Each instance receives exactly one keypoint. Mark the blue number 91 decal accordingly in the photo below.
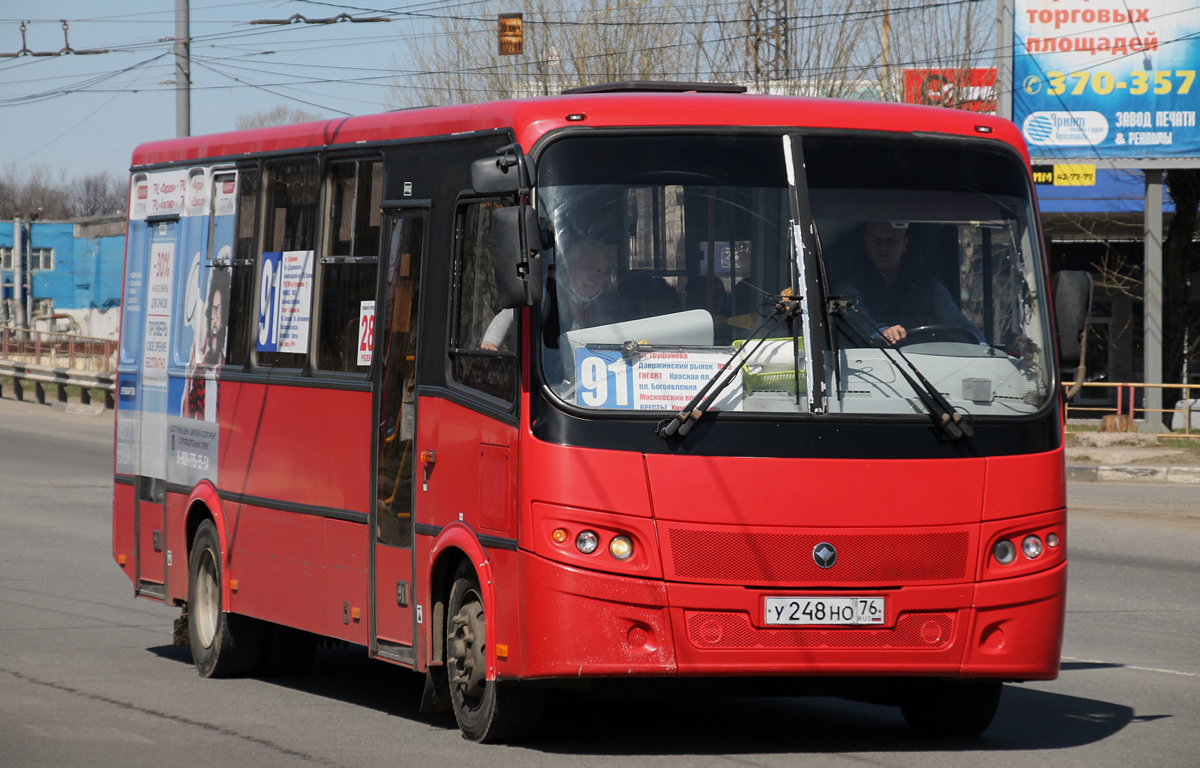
(603, 379)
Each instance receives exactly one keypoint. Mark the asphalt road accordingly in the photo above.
(88, 675)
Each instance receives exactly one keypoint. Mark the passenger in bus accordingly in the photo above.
(710, 294)
(584, 300)
(643, 294)
(896, 296)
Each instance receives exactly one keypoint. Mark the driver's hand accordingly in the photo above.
(894, 334)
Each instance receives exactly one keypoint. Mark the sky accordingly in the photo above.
(84, 114)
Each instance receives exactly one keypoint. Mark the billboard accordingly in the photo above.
(972, 89)
(1107, 79)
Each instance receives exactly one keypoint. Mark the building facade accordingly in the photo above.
(70, 275)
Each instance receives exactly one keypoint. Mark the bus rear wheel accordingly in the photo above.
(223, 644)
(951, 707)
(486, 710)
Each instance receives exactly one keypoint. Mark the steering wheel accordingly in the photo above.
(938, 332)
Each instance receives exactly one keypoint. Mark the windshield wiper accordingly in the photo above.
(944, 416)
(785, 308)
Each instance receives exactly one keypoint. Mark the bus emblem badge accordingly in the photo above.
(825, 555)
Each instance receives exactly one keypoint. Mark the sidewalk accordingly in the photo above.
(1130, 457)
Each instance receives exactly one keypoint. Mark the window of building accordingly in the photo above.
(39, 258)
(283, 307)
(483, 336)
(350, 264)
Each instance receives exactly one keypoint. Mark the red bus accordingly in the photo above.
(606, 386)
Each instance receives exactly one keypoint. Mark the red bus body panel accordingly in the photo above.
(534, 118)
(732, 531)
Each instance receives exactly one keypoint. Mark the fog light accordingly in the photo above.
(587, 541)
(1052, 540)
(560, 535)
(1031, 546)
(1004, 552)
(621, 548)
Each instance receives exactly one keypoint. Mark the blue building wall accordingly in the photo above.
(85, 279)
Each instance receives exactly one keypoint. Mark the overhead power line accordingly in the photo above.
(297, 18)
(64, 51)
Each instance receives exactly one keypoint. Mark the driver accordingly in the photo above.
(896, 297)
(585, 301)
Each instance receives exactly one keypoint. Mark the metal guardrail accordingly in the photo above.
(1126, 404)
(64, 359)
(58, 359)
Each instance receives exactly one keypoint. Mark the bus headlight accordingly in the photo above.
(1004, 552)
(587, 542)
(1031, 546)
(621, 547)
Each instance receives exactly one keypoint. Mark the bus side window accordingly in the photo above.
(350, 262)
(475, 312)
(283, 299)
(241, 292)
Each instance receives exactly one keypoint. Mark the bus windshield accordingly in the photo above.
(671, 252)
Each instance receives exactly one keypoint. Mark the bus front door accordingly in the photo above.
(392, 576)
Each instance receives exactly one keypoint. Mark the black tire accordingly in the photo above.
(951, 707)
(223, 644)
(486, 711)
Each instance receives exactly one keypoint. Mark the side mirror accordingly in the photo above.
(517, 256)
(1072, 292)
(506, 173)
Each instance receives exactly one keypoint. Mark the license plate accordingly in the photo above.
(824, 610)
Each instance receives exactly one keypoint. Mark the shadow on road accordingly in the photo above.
(582, 724)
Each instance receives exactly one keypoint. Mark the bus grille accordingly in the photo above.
(713, 630)
(743, 557)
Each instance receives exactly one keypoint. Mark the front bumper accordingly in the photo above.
(579, 623)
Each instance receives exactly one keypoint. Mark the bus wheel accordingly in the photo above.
(487, 711)
(951, 707)
(223, 644)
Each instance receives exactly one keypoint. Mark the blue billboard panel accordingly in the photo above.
(1107, 79)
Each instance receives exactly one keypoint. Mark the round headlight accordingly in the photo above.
(1031, 546)
(1004, 552)
(587, 542)
(1052, 540)
(621, 548)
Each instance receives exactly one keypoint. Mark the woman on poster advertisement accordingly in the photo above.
(209, 335)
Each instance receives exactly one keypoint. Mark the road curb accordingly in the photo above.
(1177, 475)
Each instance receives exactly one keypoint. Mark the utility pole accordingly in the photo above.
(1152, 288)
(770, 54)
(18, 256)
(887, 54)
(29, 271)
(183, 71)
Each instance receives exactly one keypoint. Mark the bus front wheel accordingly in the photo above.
(486, 710)
(951, 707)
(223, 644)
